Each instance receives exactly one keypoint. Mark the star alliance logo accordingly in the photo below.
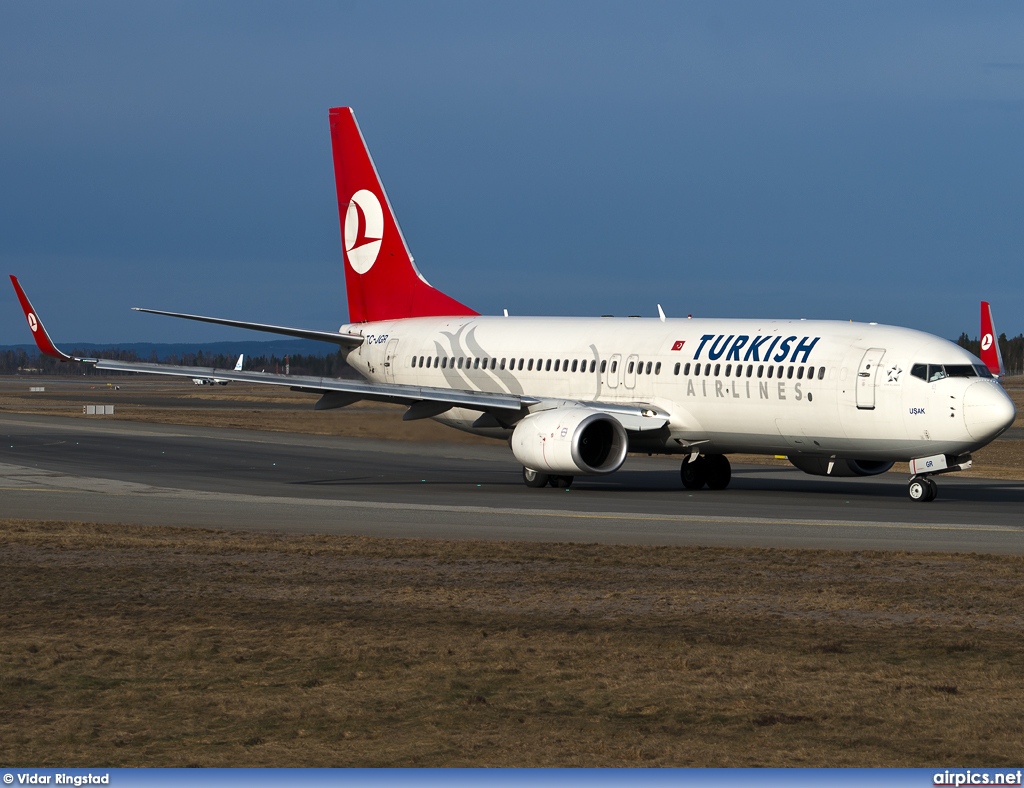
(894, 373)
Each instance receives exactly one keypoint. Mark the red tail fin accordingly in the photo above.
(381, 279)
(990, 352)
(39, 333)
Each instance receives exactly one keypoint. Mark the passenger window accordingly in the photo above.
(615, 366)
(529, 367)
(728, 370)
(476, 363)
(520, 367)
(502, 365)
(565, 365)
(686, 368)
(760, 370)
(676, 371)
(603, 365)
(750, 370)
(547, 366)
(799, 373)
(574, 365)
(821, 373)
(593, 365)
(630, 370)
(771, 371)
(810, 373)
(648, 368)
(718, 368)
(657, 368)
(556, 364)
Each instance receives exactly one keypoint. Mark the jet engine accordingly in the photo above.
(570, 441)
(818, 466)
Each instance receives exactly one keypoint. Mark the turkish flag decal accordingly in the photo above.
(678, 344)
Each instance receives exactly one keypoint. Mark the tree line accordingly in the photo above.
(21, 362)
(1012, 350)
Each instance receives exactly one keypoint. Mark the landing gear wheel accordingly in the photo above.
(563, 482)
(922, 490)
(532, 478)
(692, 474)
(717, 471)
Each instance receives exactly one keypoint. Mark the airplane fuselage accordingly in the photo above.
(818, 388)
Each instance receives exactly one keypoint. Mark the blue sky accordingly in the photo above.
(823, 160)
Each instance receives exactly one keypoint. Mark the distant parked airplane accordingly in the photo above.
(206, 381)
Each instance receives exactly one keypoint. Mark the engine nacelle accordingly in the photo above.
(570, 441)
(818, 466)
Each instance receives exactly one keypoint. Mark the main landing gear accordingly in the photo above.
(532, 478)
(712, 470)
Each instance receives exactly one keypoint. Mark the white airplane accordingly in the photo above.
(207, 381)
(573, 395)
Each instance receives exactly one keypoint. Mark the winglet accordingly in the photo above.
(990, 352)
(43, 341)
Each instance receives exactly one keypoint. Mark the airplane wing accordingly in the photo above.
(423, 401)
(348, 340)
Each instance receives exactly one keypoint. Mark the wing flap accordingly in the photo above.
(378, 392)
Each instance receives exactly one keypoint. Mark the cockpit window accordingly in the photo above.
(933, 372)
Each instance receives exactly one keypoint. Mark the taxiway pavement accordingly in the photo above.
(58, 468)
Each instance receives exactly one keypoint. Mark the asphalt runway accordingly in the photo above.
(59, 468)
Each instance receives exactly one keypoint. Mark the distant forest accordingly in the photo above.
(15, 362)
(1012, 350)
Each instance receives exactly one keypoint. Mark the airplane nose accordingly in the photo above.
(988, 410)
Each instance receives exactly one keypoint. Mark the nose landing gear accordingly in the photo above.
(922, 487)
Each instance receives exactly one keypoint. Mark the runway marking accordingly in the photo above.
(56, 482)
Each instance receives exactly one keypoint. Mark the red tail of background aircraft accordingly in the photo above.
(990, 352)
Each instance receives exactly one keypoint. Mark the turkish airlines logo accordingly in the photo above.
(364, 230)
(32, 322)
(986, 342)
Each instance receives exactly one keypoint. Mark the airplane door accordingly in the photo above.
(613, 371)
(390, 360)
(629, 374)
(866, 376)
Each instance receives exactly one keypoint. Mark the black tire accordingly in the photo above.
(532, 478)
(692, 474)
(918, 490)
(933, 489)
(561, 482)
(717, 471)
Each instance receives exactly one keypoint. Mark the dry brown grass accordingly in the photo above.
(125, 646)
